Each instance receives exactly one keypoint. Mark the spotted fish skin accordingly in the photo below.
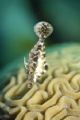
(37, 64)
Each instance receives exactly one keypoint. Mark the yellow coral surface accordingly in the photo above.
(57, 97)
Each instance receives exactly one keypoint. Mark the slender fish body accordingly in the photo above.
(37, 64)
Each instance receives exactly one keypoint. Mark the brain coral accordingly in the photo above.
(57, 97)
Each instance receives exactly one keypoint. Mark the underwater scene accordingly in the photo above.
(40, 60)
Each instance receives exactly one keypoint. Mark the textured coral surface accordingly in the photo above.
(56, 97)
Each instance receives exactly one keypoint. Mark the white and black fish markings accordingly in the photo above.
(37, 64)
